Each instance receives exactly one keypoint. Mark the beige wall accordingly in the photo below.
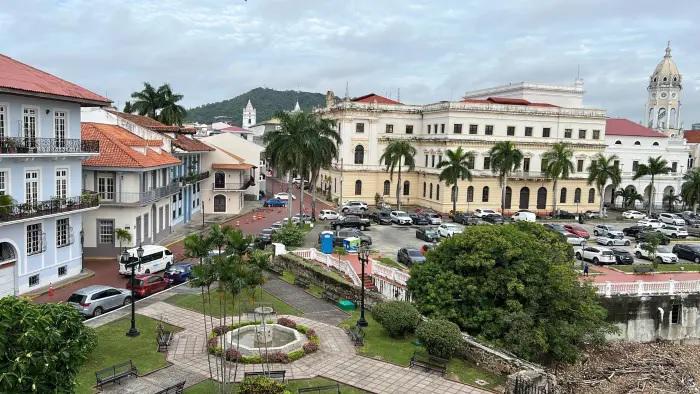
(234, 200)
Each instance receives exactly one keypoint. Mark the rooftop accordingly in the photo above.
(117, 148)
(374, 98)
(190, 144)
(692, 136)
(147, 123)
(507, 101)
(626, 127)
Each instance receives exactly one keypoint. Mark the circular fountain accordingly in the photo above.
(250, 340)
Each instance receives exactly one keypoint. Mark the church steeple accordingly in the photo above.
(663, 103)
(297, 108)
(248, 115)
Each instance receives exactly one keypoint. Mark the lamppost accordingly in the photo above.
(363, 256)
(133, 332)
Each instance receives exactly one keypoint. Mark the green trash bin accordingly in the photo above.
(346, 305)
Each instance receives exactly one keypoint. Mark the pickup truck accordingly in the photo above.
(340, 235)
(350, 222)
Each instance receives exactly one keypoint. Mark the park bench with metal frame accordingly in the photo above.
(357, 335)
(115, 373)
(429, 363)
(163, 337)
(177, 388)
(331, 388)
(276, 375)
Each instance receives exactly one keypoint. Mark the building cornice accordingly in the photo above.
(461, 140)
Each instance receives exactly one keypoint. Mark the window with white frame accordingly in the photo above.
(105, 187)
(3, 120)
(34, 237)
(62, 232)
(106, 231)
(4, 180)
(59, 128)
(61, 183)
(29, 125)
(31, 187)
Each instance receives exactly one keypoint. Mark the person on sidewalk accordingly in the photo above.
(585, 268)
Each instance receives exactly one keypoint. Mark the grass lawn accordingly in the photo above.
(208, 386)
(379, 345)
(314, 290)
(288, 276)
(114, 347)
(389, 262)
(680, 267)
(194, 302)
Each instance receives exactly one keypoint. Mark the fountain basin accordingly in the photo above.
(251, 340)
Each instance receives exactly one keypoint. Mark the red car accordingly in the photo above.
(145, 285)
(577, 230)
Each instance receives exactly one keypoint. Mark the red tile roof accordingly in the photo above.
(146, 122)
(17, 77)
(116, 148)
(372, 98)
(191, 144)
(625, 127)
(231, 166)
(692, 136)
(235, 129)
(508, 101)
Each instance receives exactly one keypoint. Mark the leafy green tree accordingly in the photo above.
(690, 190)
(43, 346)
(558, 165)
(147, 101)
(505, 158)
(441, 337)
(396, 154)
(397, 317)
(128, 108)
(653, 167)
(290, 235)
(123, 236)
(513, 286)
(601, 171)
(456, 168)
(651, 245)
(171, 113)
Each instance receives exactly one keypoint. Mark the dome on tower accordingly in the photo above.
(666, 72)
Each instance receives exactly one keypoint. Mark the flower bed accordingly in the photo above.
(232, 354)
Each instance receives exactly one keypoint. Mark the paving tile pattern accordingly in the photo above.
(313, 308)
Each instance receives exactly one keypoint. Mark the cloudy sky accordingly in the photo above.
(211, 50)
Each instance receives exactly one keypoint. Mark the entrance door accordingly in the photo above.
(219, 180)
(219, 203)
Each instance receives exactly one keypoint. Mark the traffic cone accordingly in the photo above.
(238, 223)
(50, 289)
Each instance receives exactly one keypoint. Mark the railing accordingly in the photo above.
(331, 262)
(19, 211)
(390, 273)
(22, 145)
(140, 198)
(193, 178)
(640, 288)
(234, 185)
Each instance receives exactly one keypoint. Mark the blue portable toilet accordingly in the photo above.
(327, 242)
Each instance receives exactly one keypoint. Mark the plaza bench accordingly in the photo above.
(163, 337)
(331, 388)
(115, 373)
(301, 282)
(177, 388)
(276, 375)
(429, 363)
(357, 335)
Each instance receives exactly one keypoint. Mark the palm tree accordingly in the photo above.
(394, 154)
(629, 196)
(505, 158)
(456, 167)
(654, 166)
(323, 148)
(601, 171)
(671, 199)
(123, 235)
(128, 108)
(171, 113)
(148, 101)
(197, 246)
(690, 190)
(558, 165)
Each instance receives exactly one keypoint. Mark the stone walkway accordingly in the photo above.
(313, 308)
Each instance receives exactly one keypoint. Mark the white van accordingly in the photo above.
(155, 258)
(524, 216)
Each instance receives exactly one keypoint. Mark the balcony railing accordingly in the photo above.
(126, 198)
(193, 178)
(234, 185)
(19, 211)
(22, 145)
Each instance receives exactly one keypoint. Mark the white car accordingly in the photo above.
(284, 196)
(652, 223)
(674, 231)
(297, 181)
(400, 217)
(601, 229)
(449, 229)
(327, 214)
(524, 216)
(609, 239)
(354, 206)
(276, 226)
(633, 215)
(573, 239)
(670, 218)
(663, 253)
(484, 212)
(596, 255)
(434, 218)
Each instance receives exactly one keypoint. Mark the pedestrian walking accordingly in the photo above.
(585, 268)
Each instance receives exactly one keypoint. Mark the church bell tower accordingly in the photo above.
(663, 104)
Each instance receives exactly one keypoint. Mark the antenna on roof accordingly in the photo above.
(347, 91)
(578, 71)
(398, 95)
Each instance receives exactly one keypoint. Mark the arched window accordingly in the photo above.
(431, 190)
(591, 195)
(387, 188)
(406, 188)
(485, 194)
(509, 198)
(618, 142)
(672, 121)
(453, 196)
(637, 143)
(358, 187)
(219, 203)
(437, 192)
(577, 195)
(470, 194)
(424, 189)
(542, 198)
(359, 154)
(562, 196)
(524, 198)
(655, 143)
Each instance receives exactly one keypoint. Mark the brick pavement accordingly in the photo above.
(313, 308)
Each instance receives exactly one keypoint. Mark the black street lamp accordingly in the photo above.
(363, 256)
(126, 258)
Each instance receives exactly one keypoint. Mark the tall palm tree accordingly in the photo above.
(601, 171)
(505, 158)
(653, 167)
(629, 197)
(323, 148)
(456, 168)
(690, 190)
(671, 200)
(147, 101)
(128, 108)
(171, 113)
(558, 165)
(397, 154)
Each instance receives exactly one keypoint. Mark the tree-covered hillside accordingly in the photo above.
(266, 101)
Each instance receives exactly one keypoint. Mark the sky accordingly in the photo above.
(210, 50)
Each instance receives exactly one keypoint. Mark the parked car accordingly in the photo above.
(693, 229)
(145, 285)
(555, 227)
(381, 217)
(524, 216)
(687, 251)
(276, 226)
(350, 221)
(561, 214)
(596, 255)
(284, 196)
(483, 212)
(653, 223)
(622, 256)
(594, 214)
(400, 217)
(265, 236)
(671, 218)
(275, 202)
(428, 234)
(600, 229)
(690, 217)
(433, 217)
(297, 181)
(674, 231)
(354, 205)
(340, 236)
(302, 218)
(178, 273)
(573, 239)
(609, 239)
(448, 229)
(632, 214)
(97, 299)
(664, 254)
(327, 214)
(644, 235)
(410, 256)
(418, 219)
(633, 230)
(493, 219)
(155, 258)
(578, 230)
(466, 219)
(426, 248)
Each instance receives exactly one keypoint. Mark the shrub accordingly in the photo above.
(220, 330)
(290, 235)
(213, 345)
(253, 359)
(441, 338)
(397, 317)
(278, 357)
(283, 321)
(295, 355)
(311, 333)
(302, 328)
(260, 385)
(232, 354)
(310, 347)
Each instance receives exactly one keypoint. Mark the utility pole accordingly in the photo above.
(340, 201)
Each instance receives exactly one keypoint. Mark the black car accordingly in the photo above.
(350, 221)
(380, 217)
(642, 236)
(410, 256)
(690, 218)
(622, 256)
(633, 230)
(688, 252)
(561, 214)
(419, 219)
(466, 219)
(493, 219)
(428, 234)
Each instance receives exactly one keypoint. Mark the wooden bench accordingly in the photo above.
(301, 282)
(331, 388)
(177, 388)
(429, 363)
(115, 373)
(357, 335)
(276, 375)
(163, 338)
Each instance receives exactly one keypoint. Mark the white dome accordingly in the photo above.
(666, 72)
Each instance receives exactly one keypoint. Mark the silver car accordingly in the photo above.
(97, 299)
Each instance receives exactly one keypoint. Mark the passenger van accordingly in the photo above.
(155, 258)
(524, 216)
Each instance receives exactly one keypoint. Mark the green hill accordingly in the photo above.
(267, 102)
